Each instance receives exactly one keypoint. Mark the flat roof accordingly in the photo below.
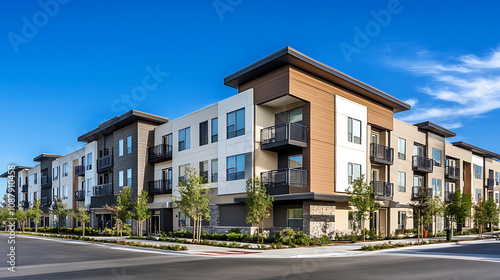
(476, 150)
(436, 129)
(6, 173)
(289, 56)
(118, 122)
(46, 156)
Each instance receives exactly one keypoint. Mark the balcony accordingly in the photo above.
(105, 163)
(80, 195)
(25, 204)
(24, 188)
(381, 154)
(418, 192)
(102, 190)
(80, 170)
(284, 181)
(490, 184)
(452, 172)
(101, 201)
(283, 136)
(44, 201)
(422, 164)
(46, 182)
(448, 196)
(160, 187)
(160, 153)
(383, 190)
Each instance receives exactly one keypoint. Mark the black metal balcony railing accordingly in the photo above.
(101, 201)
(46, 181)
(452, 172)
(24, 188)
(160, 153)
(80, 170)
(490, 184)
(79, 195)
(422, 164)
(383, 189)
(25, 204)
(418, 192)
(381, 154)
(102, 190)
(448, 195)
(160, 187)
(105, 163)
(44, 201)
(283, 135)
(280, 181)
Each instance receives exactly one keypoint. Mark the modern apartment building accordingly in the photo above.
(305, 129)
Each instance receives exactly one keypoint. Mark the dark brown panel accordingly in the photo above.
(270, 86)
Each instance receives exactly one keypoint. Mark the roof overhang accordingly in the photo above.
(436, 129)
(305, 196)
(476, 150)
(121, 121)
(289, 56)
(46, 156)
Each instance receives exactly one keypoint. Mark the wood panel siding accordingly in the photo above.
(269, 87)
(468, 179)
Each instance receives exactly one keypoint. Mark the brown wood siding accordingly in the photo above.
(145, 139)
(468, 179)
(270, 86)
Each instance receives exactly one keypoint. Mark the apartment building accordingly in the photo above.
(305, 129)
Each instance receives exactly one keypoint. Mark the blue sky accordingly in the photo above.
(65, 68)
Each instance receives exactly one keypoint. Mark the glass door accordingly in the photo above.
(375, 138)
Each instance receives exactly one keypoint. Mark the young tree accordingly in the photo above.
(83, 217)
(60, 210)
(122, 211)
(114, 214)
(193, 200)
(35, 213)
(258, 204)
(436, 210)
(141, 211)
(362, 197)
(480, 216)
(21, 217)
(421, 212)
(492, 212)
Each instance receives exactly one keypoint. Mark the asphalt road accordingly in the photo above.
(37, 258)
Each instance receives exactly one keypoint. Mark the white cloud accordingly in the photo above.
(467, 87)
(412, 101)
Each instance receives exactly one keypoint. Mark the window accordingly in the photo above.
(294, 217)
(64, 192)
(478, 171)
(354, 172)
(496, 197)
(65, 170)
(184, 139)
(184, 220)
(401, 219)
(120, 147)
(354, 130)
(479, 194)
(436, 156)
(204, 133)
(89, 187)
(89, 161)
(496, 178)
(55, 194)
(129, 145)
(204, 171)
(353, 223)
(401, 181)
(236, 123)
(215, 170)
(437, 186)
(295, 161)
(35, 179)
(55, 173)
(129, 177)
(120, 178)
(438, 224)
(182, 173)
(215, 130)
(295, 115)
(235, 167)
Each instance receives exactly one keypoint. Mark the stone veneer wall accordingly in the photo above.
(318, 218)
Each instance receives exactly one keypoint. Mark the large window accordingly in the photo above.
(204, 133)
(182, 173)
(295, 161)
(120, 178)
(353, 172)
(129, 145)
(437, 186)
(89, 187)
(120, 147)
(204, 171)
(496, 178)
(294, 217)
(235, 167)
(236, 123)
(478, 171)
(89, 161)
(35, 178)
(55, 173)
(401, 219)
(402, 181)
(436, 156)
(496, 197)
(129, 177)
(184, 139)
(479, 194)
(354, 130)
(65, 170)
(215, 170)
(64, 192)
(215, 130)
(290, 116)
(55, 194)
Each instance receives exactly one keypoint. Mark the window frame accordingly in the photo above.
(233, 130)
(214, 136)
(402, 217)
(129, 177)
(401, 188)
(203, 133)
(236, 175)
(351, 137)
(214, 176)
(89, 162)
(129, 144)
(121, 180)
(350, 172)
(294, 211)
(435, 153)
(120, 147)
(185, 143)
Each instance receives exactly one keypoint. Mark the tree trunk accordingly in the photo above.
(36, 227)
(83, 229)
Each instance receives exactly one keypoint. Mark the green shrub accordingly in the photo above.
(235, 230)
(232, 236)
(285, 236)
